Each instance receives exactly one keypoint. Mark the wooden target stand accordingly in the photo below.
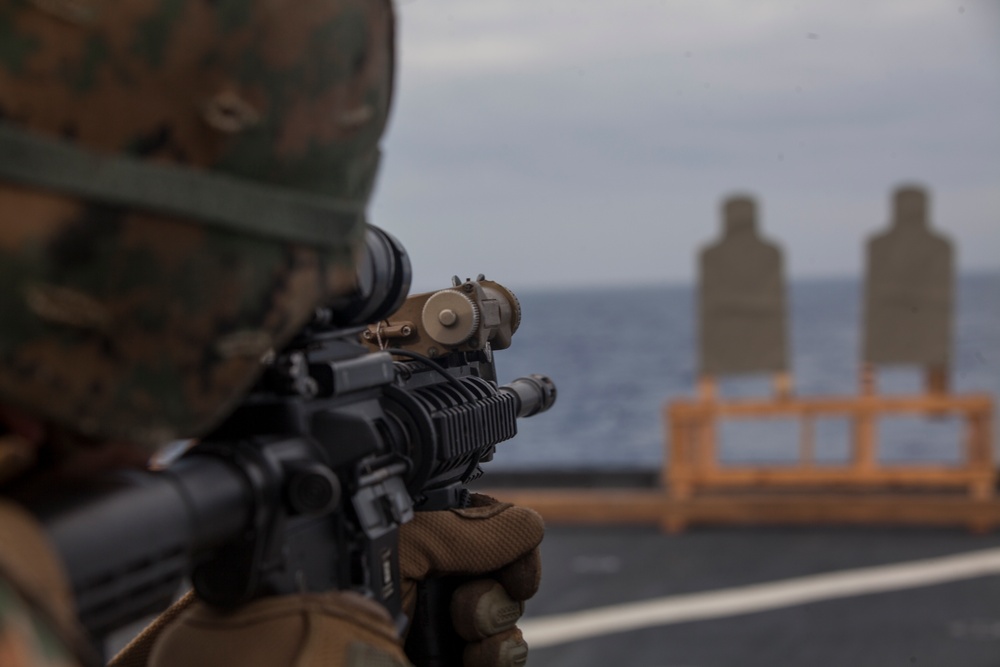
(702, 489)
(699, 489)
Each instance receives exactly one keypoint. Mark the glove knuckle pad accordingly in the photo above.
(482, 608)
(507, 650)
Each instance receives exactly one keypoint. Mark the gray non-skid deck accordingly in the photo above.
(954, 624)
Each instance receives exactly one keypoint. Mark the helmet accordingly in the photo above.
(181, 184)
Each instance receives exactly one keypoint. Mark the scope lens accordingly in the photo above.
(383, 281)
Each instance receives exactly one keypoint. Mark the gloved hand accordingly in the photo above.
(335, 629)
(495, 546)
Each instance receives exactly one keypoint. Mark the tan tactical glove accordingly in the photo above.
(337, 629)
(495, 546)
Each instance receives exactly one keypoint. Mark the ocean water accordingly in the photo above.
(617, 355)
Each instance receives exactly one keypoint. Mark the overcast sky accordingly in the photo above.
(582, 142)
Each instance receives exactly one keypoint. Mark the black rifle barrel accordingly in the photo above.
(535, 393)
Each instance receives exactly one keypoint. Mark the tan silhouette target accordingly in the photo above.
(909, 288)
(742, 313)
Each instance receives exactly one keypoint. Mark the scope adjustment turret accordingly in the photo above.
(450, 317)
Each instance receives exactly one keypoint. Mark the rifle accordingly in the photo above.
(380, 407)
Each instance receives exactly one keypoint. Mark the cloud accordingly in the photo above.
(566, 142)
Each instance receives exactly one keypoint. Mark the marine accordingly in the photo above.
(182, 183)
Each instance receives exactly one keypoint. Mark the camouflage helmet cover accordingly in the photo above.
(181, 183)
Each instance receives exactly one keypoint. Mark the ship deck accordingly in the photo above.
(616, 590)
(766, 596)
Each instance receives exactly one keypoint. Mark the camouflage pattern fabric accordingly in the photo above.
(38, 626)
(129, 319)
(25, 640)
(130, 322)
(292, 93)
(144, 329)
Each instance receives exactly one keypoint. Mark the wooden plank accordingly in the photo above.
(936, 379)
(591, 506)
(834, 405)
(798, 475)
(706, 455)
(678, 454)
(979, 444)
(707, 388)
(701, 432)
(807, 441)
(783, 386)
(883, 509)
(864, 442)
(695, 469)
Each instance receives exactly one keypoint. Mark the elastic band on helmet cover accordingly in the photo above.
(211, 197)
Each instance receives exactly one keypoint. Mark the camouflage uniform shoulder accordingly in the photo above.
(25, 638)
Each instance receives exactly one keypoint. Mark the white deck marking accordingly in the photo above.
(562, 628)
